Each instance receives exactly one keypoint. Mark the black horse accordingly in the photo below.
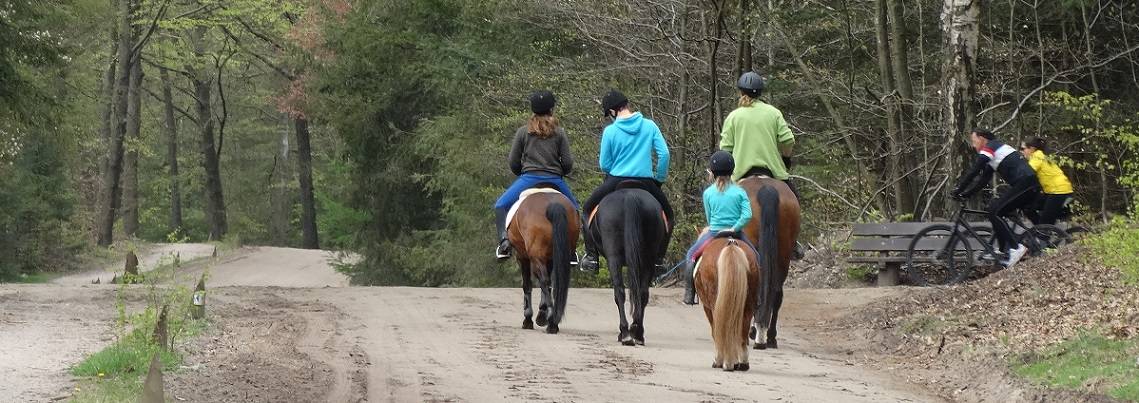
(630, 228)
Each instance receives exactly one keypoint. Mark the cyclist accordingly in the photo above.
(1055, 185)
(1010, 165)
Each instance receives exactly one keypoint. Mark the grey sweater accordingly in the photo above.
(533, 154)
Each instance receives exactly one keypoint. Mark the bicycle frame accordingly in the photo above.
(960, 222)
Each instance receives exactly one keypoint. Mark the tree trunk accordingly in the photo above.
(743, 51)
(891, 148)
(107, 105)
(905, 186)
(282, 202)
(960, 25)
(304, 174)
(215, 202)
(130, 164)
(171, 127)
(109, 192)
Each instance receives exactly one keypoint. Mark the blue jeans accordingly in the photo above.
(708, 235)
(527, 181)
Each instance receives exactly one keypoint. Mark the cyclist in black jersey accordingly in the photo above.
(1010, 165)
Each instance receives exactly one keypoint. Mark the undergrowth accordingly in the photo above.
(1090, 360)
(1118, 247)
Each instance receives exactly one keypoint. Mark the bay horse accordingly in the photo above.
(630, 228)
(774, 230)
(544, 236)
(727, 284)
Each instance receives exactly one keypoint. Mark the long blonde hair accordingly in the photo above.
(746, 100)
(542, 126)
(722, 181)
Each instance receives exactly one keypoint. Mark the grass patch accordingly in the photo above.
(107, 390)
(33, 278)
(923, 325)
(1088, 360)
(127, 356)
(861, 273)
(1117, 247)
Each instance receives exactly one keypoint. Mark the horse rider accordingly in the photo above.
(1057, 189)
(727, 209)
(1010, 165)
(540, 154)
(627, 148)
(758, 137)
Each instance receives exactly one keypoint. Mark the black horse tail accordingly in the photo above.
(560, 262)
(768, 244)
(634, 239)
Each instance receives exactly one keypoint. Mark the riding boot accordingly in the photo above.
(503, 250)
(589, 262)
(797, 252)
(689, 283)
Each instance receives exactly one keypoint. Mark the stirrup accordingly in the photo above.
(503, 250)
(589, 265)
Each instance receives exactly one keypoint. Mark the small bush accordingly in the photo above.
(1117, 247)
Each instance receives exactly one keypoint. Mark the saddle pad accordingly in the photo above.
(696, 267)
(525, 193)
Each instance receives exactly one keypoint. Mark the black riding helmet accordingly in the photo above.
(751, 83)
(542, 102)
(722, 163)
(613, 101)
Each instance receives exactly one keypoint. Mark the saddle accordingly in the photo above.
(539, 188)
(629, 184)
(698, 257)
(757, 173)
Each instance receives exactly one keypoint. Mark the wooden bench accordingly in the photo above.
(886, 245)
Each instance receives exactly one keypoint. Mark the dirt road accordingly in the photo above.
(339, 344)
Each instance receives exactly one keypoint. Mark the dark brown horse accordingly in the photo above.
(774, 230)
(544, 235)
(727, 282)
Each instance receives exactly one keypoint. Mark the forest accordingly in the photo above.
(382, 127)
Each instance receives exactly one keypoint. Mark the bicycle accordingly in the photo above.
(945, 254)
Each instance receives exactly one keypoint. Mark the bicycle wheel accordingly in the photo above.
(1046, 236)
(937, 256)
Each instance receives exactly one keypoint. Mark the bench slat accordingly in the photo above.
(900, 228)
(903, 244)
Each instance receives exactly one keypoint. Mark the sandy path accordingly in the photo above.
(326, 342)
(468, 345)
(149, 257)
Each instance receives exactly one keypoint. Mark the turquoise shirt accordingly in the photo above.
(729, 209)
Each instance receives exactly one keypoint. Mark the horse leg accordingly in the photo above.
(640, 301)
(771, 343)
(615, 278)
(543, 287)
(743, 365)
(527, 310)
(717, 359)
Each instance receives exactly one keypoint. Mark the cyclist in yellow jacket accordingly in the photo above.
(1057, 188)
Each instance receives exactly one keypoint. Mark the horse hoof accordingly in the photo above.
(772, 345)
(743, 366)
(760, 346)
(628, 341)
(552, 329)
(540, 320)
(527, 324)
(717, 365)
(639, 341)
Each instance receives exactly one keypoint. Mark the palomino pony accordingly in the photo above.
(727, 284)
(544, 235)
(629, 228)
(773, 230)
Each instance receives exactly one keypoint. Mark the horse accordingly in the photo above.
(727, 285)
(774, 230)
(630, 228)
(544, 235)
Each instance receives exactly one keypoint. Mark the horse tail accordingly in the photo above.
(768, 244)
(560, 266)
(731, 296)
(634, 239)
